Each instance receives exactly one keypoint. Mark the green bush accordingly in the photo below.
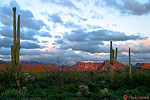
(12, 94)
(60, 97)
(70, 88)
(94, 87)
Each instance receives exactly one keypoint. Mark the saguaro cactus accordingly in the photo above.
(130, 65)
(113, 59)
(15, 48)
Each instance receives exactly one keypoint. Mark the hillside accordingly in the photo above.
(78, 66)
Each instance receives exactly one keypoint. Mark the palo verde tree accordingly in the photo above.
(15, 50)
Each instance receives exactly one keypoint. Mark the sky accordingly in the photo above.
(77, 30)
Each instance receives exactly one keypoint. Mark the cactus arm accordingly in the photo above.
(130, 66)
(20, 70)
(17, 55)
(110, 50)
(12, 59)
(113, 56)
(14, 31)
(111, 53)
(112, 75)
(18, 40)
(116, 54)
(18, 31)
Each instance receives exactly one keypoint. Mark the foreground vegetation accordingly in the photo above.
(70, 85)
(73, 85)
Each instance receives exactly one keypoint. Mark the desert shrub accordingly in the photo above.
(42, 85)
(94, 87)
(1, 90)
(83, 91)
(105, 93)
(12, 94)
(70, 88)
(95, 96)
(27, 78)
(60, 97)
(6, 77)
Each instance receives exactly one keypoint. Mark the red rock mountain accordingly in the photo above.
(145, 66)
(117, 66)
(78, 66)
(81, 66)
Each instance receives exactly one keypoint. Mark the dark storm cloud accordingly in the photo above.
(100, 35)
(5, 42)
(34, 52)
(60, 41)
(85, 47)
(140, 48)
(32, 24)
(76, 36)
(28, 35)
(27, 19)
(71, 24)
(107, 35)
(29, 45)
(70, 55)
(44, 41)
(140, 57)
(55, 18)
(133, 7)
(7, 31)
(136, 48)
(45, 34)
(30, 52)
(5, 51)
(135, 58)
(92, 42)
(64, 3)
(64, 56)
(57, 36)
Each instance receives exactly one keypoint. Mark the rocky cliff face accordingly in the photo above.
(145, 66)
(78, 66)
(117, 66)
(81, 66)
(141, 65)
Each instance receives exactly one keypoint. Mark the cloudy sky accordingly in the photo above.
(77, 30)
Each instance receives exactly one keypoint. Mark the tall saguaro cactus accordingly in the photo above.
(113, 59)
(130, 65)
(15, 49)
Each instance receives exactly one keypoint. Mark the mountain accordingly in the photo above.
(145, 66)
(106, 66)
(82, 66)
(78, 66)
(141, 66)
(32, 63)
(4, 62)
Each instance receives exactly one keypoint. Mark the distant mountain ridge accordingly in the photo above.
(117, 66)
(78, 66)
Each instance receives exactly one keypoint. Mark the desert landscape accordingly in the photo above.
(74, 65)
